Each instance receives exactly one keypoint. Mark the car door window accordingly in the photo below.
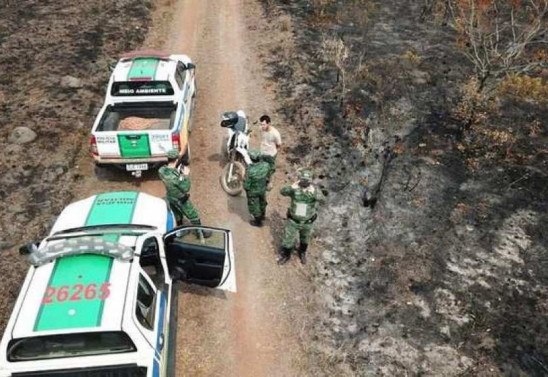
(145, 307)
(201, 255)
(216, 238)
(181, 78)
(150, 261)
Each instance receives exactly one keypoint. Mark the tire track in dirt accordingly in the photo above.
(247, 333)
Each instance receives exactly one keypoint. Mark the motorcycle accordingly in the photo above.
(235, 148)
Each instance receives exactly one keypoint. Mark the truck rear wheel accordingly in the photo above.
(102, 170)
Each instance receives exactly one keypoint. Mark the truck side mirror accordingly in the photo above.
(28, 248)
(112, 66)
(190, 66)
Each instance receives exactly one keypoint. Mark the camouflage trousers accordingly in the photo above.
(256, 204)
(294, 229)
(182, 210)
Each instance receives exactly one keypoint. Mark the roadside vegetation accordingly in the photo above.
(426, 125)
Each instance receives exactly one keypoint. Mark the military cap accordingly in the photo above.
(305, 174)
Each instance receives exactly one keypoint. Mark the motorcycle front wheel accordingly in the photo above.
(232, 178)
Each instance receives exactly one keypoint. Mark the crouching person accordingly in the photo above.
(177, 182)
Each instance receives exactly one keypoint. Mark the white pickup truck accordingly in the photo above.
(147, 111)
(100, 296)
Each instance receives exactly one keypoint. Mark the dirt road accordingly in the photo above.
(253, 332)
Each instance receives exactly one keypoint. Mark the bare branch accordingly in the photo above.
(497, 34)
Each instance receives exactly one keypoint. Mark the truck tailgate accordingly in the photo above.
(133, 144)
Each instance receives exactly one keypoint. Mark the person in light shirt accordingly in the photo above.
(270, 137)
(270, 142)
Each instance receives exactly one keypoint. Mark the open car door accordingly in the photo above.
(201, 255)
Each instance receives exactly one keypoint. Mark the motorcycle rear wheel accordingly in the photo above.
(233, 185)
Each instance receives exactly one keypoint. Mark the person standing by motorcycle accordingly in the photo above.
(271, 141)
(175, 176)
(255, 186)
(301, 215)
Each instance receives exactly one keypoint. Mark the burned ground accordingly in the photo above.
(444, 272)
(53, 66)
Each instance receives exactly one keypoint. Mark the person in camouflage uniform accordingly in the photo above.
(256, 180)
(272, 162)
(301, 215)
(178, 190)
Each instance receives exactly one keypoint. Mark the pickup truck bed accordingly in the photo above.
(138, 116)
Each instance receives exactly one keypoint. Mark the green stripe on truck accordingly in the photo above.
(143, 67)
(112, 208)
(78, 282)
(77, 302)
(134, 145)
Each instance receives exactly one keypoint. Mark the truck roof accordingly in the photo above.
(86, 291)
(145, 67)
(75, 293)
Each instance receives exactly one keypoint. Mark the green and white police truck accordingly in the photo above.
(100, 298)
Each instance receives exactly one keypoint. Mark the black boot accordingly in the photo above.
(257, 221)
(302, 252)
(285, 254)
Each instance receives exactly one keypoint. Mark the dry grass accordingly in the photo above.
(285, 23)
(412, 57)
(474, 107)
(523, 87)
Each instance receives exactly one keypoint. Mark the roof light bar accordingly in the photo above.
(149, 53)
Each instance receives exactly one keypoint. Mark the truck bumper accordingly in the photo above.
(122, 163)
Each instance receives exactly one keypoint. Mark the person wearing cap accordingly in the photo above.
(177, 183)
(256, 180)
(301, 215)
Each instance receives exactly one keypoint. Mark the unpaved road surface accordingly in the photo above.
(254, 332)
(246, 334)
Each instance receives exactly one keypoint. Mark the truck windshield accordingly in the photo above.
(106, 227)
(69, 345)
(138, 116)
(141, 88)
